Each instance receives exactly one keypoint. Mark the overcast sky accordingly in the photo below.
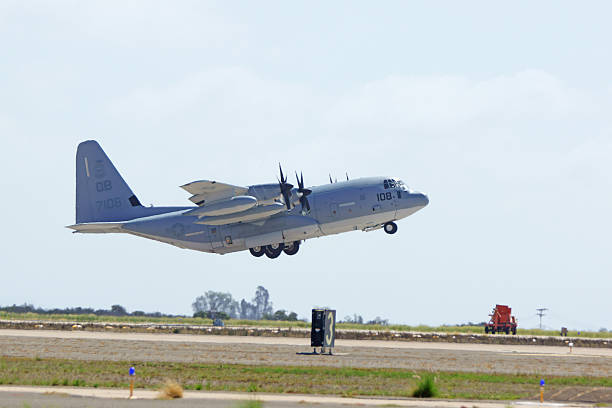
(502, 113)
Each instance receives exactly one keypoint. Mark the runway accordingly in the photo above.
(300, 342)
(531, 359)
(78, 397)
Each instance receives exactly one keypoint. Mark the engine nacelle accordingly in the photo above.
(252, 214)
(233, 205)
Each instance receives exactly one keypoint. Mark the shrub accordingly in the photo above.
(170, 390)
(252, 387)
(426, 388)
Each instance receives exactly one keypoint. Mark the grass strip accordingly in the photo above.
(275, 323)
(280, 379)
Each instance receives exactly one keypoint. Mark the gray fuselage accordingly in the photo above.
(359, 204)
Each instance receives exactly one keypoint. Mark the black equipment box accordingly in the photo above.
(323, 332)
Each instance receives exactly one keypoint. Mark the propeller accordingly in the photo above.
(303, 193)
(285, 188)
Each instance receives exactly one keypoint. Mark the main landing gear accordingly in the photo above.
(292, 248)
(274, 250)
(257, 251)
(390, 227)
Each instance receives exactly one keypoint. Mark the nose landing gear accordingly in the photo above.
(390, 227)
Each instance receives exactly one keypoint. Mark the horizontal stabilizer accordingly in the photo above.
(97, 227)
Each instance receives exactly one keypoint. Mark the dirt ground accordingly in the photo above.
(486, 358)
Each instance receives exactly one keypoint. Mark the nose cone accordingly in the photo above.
(422, 200)
(411, 203)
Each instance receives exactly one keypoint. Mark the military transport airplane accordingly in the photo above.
(264, 218)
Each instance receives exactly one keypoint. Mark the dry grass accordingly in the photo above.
(170, 390)
(281, 379)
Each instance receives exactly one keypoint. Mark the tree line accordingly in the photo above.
(222, 305)
(115, 310)
(357, 319)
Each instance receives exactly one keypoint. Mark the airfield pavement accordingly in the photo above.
(18, 397)
(492, 358)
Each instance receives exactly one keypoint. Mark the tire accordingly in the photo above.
(486, 330)
(492, 331)
(390, 227)
(257, 251)
(514, 330)
(292, 248)
(275, 247)
(507, 330)
(274, 250)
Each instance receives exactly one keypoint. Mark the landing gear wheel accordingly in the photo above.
(274, 250)
(390, 227)
(292, 248)
(257, 251)
(507, 330)
(486, 330)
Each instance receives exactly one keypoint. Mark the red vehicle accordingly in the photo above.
(501, 321)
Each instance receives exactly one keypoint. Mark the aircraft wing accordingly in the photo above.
(210, 190)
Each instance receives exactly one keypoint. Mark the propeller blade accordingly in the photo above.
(285, 188)
(282, 179)
(303, 193)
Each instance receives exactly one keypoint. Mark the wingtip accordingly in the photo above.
(89, 142)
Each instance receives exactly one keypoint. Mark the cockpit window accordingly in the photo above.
(395, 183)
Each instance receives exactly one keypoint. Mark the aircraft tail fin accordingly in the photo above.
(101, 193)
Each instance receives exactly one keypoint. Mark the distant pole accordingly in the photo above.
(541, 313)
